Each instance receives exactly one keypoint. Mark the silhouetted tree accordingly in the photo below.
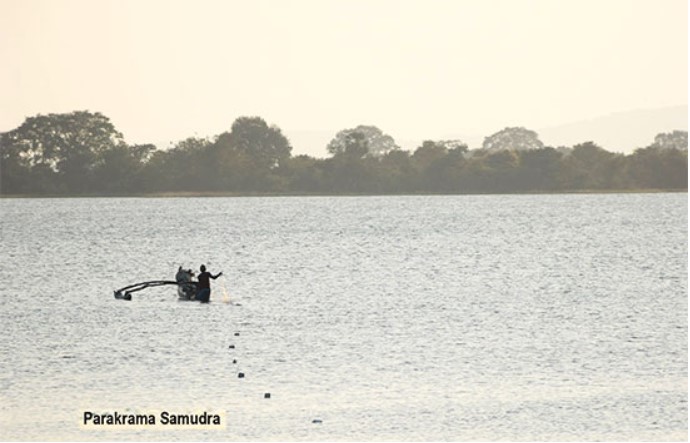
(502, 167)
(393, 172)
(62, 149)
(265, 145)
(81, 152)
(659, 168)
(250, 153)
(421, 160)
(539, 169)
(182, 168)
(586, 167)
(671, 140)
(305, 174)
(512, 139)
(378, 143)
(119, 168)
(350, 170)
(18, 173)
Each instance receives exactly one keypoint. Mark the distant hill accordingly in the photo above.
(619, 132)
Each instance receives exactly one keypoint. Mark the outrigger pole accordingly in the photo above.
(127, 294)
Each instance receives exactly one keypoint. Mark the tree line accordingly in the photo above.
(82, 153)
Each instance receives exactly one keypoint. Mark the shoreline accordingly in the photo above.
(295, 194)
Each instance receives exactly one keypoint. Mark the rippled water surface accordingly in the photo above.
(559, 317)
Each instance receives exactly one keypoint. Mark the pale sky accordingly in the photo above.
(166, 70)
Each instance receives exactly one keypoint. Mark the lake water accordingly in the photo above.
(540, 317)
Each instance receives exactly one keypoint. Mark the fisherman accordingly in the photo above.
(204, 291)
(187, 287)
(181, 276)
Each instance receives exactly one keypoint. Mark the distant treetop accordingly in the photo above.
(513, 139)
(671, 140)
(377, 143)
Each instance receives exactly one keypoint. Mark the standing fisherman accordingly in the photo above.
(204, 292)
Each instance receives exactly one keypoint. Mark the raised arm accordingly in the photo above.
(216, 276)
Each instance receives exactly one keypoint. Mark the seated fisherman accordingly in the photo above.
(183, 275)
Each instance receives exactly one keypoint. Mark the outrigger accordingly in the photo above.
(186, 288)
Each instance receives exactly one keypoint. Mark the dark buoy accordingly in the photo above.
(234, 362)
(231, 347)
(237, 334)
(267, 395)
(317, 421)
(240, 375)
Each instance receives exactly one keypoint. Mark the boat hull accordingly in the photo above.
(186, 292)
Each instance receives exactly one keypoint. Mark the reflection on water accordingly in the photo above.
(404, 318)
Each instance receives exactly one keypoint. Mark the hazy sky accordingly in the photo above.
(165, 70)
